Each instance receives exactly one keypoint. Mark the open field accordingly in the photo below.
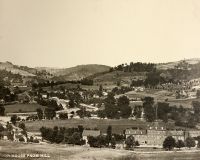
(117, 125)
(67, 152)
(22, 108)
(61, 152)
(161, 96)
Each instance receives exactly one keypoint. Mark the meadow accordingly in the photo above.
(118, 126)
(17, 108)
(69, 152)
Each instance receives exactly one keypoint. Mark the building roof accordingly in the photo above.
(175, 133)
(157, 125)
(93, 133)
(135, 132)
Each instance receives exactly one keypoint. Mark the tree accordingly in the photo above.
(124, 108)
(40, 113)
(22, 126)
(149, 110)
(71, 103)
(100, 91)
(180, 144)
(111, 109)
(169, 143)
(163, 110)
(13, 119)
(153, 78)
(198, 93)
(101, 113)
(1, 128)
(63, 116)
(137, 111)
(83, 113)
(113, 142)
(130, 142)
(49, 113)
(2, 111)
(190, 142)
(109, 133)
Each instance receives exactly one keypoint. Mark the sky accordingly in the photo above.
(66, 33)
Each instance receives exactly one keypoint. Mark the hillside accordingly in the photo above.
(171, 65)
(80, 71)
(23, 71)
(118, 76)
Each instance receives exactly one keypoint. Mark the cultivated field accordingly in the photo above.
(117, 125)
(22, 108)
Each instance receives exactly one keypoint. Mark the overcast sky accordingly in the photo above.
(65, 33)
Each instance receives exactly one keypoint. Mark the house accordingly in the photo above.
(177, 134)
(194, 133)
(153, 135)
(139, 135)
(87, 133)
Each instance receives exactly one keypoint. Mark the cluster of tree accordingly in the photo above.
(74, 99)
(14, 119)
(63, 135)
(130, 142)
(134, 67)
(115, 108)
(50, 110)
(184, 117)
(108, 140)
(137, 83)
(83, 113)
(170, 143)
(121, 90)
(48, 84)
(10, 77)
(2, 110)
(87, 81)
(5, 93)
(149, 109)
(63, 116)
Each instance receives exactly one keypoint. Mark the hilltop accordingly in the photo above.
(21, 70)
(102, 74)
(79, 72)
(47, 73)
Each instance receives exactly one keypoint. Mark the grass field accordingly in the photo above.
(66, 152)
(117, 125)
(60, 152)
(22, 108)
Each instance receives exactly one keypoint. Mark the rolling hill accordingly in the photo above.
(171, 65)
(23, 71)
(77, 72)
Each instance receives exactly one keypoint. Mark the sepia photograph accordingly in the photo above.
(99, 79)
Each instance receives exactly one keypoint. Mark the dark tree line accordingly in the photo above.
(63, 135)
(134, 67)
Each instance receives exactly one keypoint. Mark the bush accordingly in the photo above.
(36, 141)
(21, 139)
(169, 143)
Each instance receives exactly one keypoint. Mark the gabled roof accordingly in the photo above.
(93, 133)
